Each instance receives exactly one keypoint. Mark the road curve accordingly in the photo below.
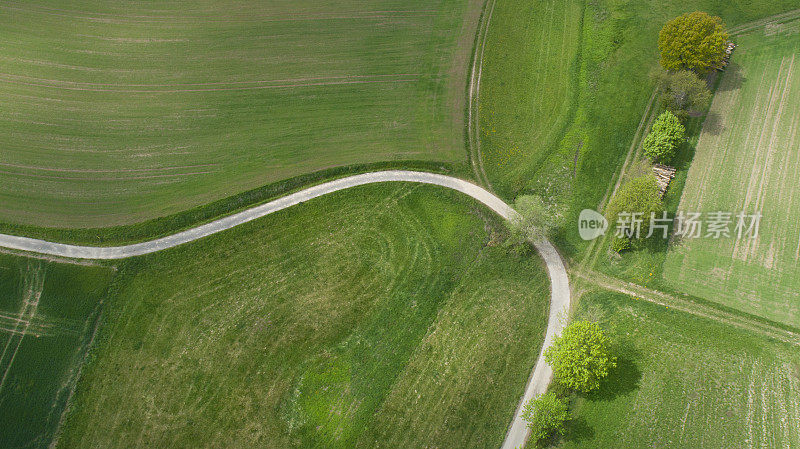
(559, 283)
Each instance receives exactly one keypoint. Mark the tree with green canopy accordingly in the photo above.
(546, 416)
(581, 356)
(695, 41)
(637, 196)
(683, 92)
(666, 134)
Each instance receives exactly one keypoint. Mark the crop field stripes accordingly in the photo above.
(747, 161)
(778, 18)
(142, 18)
(256, 95)
(33, 284)
(37, 326)
(773, 416)
(217, 86)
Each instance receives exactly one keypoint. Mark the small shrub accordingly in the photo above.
(546, 416)
(683, 92)
(666, 134)
(639, 195)
(621, 244)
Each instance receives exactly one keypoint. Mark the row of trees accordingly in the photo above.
(581, 358)
(692, 46)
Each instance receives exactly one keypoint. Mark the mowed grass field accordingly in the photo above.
(117, 113)
(686, 382)
(376, 317)
(527, 86)
(48, 313)
(747, 159)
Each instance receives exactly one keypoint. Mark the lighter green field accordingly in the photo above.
(527, 86)
(686, 382)
(747, 158)
(114, 113)
(376, 317)
(564, 87)
(48, 313)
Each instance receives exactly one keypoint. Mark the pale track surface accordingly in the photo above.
(559, 283)
(473, 119)
(687, 305)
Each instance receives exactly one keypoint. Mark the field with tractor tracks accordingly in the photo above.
(747, 159)
(115, 113)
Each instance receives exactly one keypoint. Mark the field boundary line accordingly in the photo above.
(752, 26)
(473, 120)
(686, 305)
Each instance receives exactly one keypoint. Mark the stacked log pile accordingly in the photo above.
(727, 58)
(664, 174)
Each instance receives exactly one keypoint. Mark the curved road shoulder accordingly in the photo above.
(559, 283)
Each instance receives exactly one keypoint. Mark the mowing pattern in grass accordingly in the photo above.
(747, 159)
(527, 85)
(369, 316)
(686, 382)
(115, 113)
(47, 316)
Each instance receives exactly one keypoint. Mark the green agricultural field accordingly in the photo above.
(686, 382)
(48, 314)
(531, 58)
(379, 316)
(747, 159)
(113, 113)
(564, 87)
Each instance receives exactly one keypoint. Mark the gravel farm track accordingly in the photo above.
(559, 283)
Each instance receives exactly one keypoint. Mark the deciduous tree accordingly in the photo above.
(546, 416)
(581, 356)
(694, 41)
(639, 195)
(683, 92)
(665, 135)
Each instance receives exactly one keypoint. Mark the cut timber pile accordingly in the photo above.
(664, 174)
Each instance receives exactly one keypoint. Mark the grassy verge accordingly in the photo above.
(686, 382)
(159, 227)
(375, 314)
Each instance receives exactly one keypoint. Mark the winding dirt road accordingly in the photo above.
(559, 283)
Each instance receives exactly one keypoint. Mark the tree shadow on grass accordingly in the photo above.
(578, 430)
(733, 78)
(621, 380)
(713, 124)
